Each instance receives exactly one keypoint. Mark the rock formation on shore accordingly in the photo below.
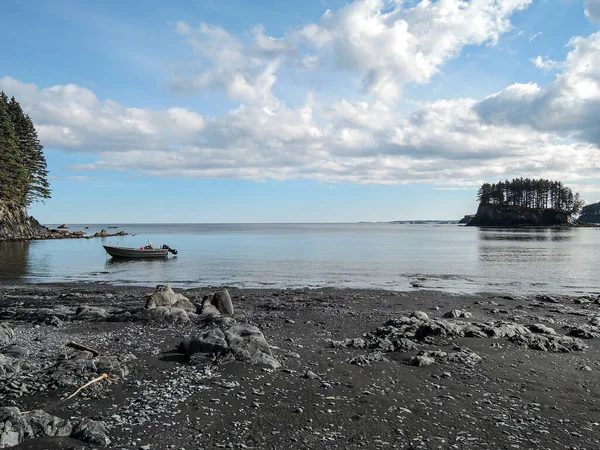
(16, 223)
(489, 215)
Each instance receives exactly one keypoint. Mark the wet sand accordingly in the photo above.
(329, 392)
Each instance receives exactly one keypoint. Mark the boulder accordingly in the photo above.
(14, 427)
(43, 424)
(174, 315)
(208, 341)
(90, 313)
(163, 295)
(420, 315)
(222, 301)
(185, 304)
(541, 328)
(91, 431)
(457, 313)
(209, 309)
(248, 343)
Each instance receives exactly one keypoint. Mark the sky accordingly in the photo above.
(315, 111)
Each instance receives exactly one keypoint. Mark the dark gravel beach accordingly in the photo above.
(343, 368)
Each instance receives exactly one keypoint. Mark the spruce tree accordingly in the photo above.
(13, 174)
(23, 173)
(31, 154)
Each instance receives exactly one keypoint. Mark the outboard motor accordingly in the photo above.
(171, 250)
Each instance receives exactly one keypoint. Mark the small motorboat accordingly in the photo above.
(148, 251)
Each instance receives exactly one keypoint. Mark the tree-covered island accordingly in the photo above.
(525, 202)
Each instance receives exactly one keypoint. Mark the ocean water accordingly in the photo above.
(445, 257)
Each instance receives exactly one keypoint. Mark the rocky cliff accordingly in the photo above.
(514, 216)
(17, 224)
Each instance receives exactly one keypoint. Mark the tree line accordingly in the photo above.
(23, 172)
(531, 193)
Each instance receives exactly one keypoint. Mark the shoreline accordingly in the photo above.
(339, 385)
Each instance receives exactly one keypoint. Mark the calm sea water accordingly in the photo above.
(390, 256)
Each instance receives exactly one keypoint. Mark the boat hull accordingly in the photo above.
(136, 253)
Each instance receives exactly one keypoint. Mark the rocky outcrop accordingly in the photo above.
(466, 219)
(514, 216)
(17, 224)
(16, 427)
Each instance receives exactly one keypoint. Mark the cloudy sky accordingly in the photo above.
(312, 111)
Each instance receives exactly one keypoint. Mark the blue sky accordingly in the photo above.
(314, 111)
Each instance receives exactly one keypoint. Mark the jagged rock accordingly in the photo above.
(92, 431)
(186, 305)
(90, 313)
(365, 360)
(457, 313)
(546, 298)
(14, 428)
(420, 315)
(541, 328)
(163, 313)
(15, 223)
(208, 308)
(248, 343)
(549, 343)
(504, 329)
(222, 301)
(8, 365)
(81, 367)
(422, 360)
(354, 343)
(208, 341)
(595, 321)
(464, 356)
(163, 295)
(6, 334)
(44, 424)
(584, 332)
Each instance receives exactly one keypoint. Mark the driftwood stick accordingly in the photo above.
(77, 346)
(95, 380)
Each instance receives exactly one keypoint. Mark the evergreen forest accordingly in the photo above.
(23, 173)
(531, 194)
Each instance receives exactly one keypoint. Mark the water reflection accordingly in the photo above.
(524, 235)
(121, 263)
(14, 259)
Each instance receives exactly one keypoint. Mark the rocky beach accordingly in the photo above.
(302, 368)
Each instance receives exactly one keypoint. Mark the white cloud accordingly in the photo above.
(445, 143)
(592, 10)
(386, 43)
(546, 63)
(534, 36)
(72, 118)
(569, 106)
